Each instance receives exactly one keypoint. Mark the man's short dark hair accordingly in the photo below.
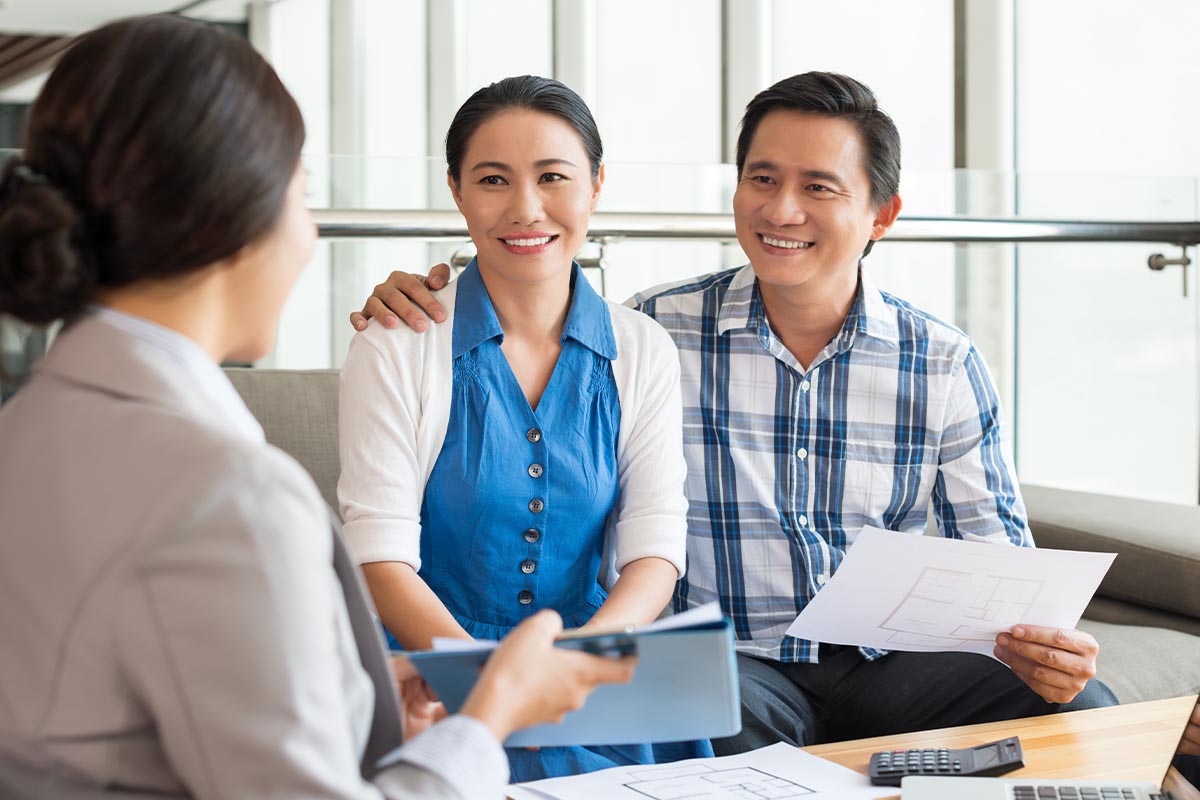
(831, 95)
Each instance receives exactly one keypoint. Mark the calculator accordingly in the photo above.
(889, 767)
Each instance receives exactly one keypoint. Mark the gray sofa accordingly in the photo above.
(1146, 614)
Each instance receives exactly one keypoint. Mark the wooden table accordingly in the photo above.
(1128, 743)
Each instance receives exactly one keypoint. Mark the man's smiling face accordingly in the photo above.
(803, 207)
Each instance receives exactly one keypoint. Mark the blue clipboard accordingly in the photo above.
(685, 687)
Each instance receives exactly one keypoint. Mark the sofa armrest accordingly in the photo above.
(1119, 612)
(1157, 544)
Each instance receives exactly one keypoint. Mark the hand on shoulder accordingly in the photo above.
(407, 297)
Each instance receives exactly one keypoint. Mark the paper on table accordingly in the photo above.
(778, 771)
(701, 615)
(898, 591)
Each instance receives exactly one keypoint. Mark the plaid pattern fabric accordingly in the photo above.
(786, 465)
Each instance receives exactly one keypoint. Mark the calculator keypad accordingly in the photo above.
(889, 767)
(929, 761)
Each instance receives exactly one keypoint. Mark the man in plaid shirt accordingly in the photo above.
(815, 405)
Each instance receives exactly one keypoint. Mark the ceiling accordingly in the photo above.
(66, 17)
(34, 32)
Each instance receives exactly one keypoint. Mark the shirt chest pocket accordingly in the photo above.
(890, 483)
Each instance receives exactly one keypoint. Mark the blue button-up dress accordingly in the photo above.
(513, 516)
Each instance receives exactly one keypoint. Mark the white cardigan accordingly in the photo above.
(394, 410)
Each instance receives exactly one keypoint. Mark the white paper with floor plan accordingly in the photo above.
(778, 772)
(897, 591)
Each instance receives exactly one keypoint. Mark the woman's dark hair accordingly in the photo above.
(828, 94)
(524, 92)
(158, 145)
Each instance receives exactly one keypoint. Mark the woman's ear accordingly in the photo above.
(453, 184)
(597, 182)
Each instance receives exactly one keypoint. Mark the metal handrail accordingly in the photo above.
(607, 226)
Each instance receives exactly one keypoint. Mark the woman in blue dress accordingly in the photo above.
(528, 453)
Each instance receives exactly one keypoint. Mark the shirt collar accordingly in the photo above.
(742, 305)
(876, 319)
(475, 322)
(588, 321)
(869, 315)
(206, 378)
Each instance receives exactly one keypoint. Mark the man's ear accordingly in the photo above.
(885, 217)
(596, 184)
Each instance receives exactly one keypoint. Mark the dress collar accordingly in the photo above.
(475, 322)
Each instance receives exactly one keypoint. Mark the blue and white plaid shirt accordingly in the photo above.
(786, 465)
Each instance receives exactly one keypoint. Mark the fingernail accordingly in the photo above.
(359, 325)
(419, 326)
(1003, 638)
(439, 316)
(390, 321)
(1019, 633)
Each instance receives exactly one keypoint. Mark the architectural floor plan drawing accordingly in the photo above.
(899, 590)
(949, 608)
(701, 782)
(777, 772)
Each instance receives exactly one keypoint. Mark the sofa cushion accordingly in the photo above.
(1140, 663)
(298, 410)
(1157, 544)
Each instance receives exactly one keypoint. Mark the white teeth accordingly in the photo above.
(785, 244)
(529, 242)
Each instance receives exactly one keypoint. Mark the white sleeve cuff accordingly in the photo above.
(461, 751)
(660, 536)
(373, 540)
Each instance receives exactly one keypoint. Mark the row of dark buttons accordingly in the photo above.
(915, 769)
(525, 597)
(915, 755)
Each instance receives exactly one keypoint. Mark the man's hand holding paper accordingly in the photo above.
(896, 591)
(1055, 662)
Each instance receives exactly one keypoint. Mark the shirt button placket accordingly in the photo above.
(802, 452)
(533, 535)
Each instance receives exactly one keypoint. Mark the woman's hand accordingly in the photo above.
(528, 681)
(640, 594)
(419, 706)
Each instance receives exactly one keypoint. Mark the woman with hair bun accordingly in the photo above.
(179, 617)
(528, 454)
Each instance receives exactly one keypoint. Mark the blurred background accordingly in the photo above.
(1025, 110)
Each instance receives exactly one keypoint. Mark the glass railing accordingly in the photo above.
(1095, 353)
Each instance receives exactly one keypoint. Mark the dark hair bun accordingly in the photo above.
(44, 273)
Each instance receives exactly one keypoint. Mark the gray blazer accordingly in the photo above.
(176, 614)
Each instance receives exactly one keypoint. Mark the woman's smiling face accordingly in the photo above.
(527, 193)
